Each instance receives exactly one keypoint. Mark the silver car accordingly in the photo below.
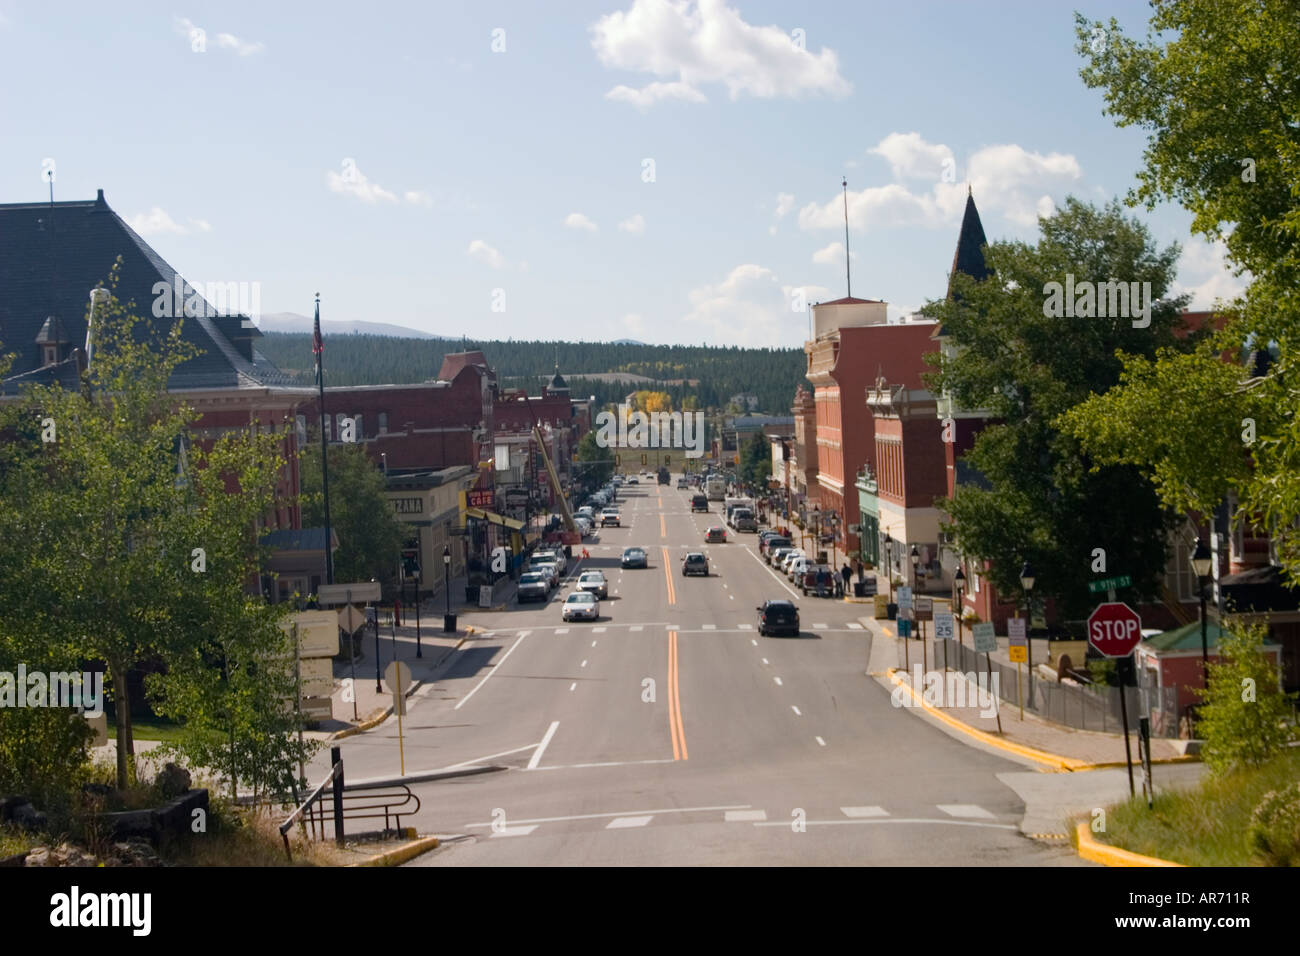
(595, 583)
(580, 605)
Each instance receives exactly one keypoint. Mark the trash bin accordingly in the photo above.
(449, 623)
(892, 611)
(859, 588)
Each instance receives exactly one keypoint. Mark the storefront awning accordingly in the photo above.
(493, 518)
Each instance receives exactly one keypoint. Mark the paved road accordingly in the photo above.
(669, 732)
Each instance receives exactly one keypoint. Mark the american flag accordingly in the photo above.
(317, 346)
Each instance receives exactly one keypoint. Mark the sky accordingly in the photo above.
(663, 171)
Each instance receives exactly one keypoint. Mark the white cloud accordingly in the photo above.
(1203, 271)
(1006, 179)
(751, 307)
(784, 203)
(832, 255)
(634, 224)
(202, 225)
(576, 220)
(911, 157)
(652, 93)
(480, 250)
(156, 222)
(352, 181)
(690, 44)
(417, 197)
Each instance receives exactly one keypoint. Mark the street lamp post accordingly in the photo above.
(416, 576)
(1027, 582)
(1201, 561)
(889, 564)
(447, 626)
(959, 582)
(916, 567)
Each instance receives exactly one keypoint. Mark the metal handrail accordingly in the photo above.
(305, 807)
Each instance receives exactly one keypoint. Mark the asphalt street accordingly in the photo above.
(669, 732)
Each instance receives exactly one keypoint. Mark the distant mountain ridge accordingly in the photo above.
(293, 322)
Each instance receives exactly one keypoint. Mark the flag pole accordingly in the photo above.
(318, 347)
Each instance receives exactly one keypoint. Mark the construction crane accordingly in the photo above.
(572, 534)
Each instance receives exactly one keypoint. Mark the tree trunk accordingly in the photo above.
(122, 710)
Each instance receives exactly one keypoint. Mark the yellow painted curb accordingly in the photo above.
(402, 854)
(1055, 761)
(1108, 855)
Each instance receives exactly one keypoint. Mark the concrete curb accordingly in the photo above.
(1108, 855)
(402, 854)
(378, 717)
(1055, 761)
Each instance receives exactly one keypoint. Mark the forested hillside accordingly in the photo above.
(771, 375)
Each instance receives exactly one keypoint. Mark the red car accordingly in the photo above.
(715, 535)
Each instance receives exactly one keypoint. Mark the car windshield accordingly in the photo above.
(580, 598)
(531, 578)
(634, 553)
(592, 577)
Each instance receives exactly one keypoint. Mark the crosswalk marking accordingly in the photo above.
(858, 813)
(744, 816)
(514, 831)
(622, 823)
(747, 627)
(598, 630)
(636, 627)
(965, 810)
(821, 627)
(853, 626)
(710, 627)
(561, 630)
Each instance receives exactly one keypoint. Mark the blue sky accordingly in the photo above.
(388, 157)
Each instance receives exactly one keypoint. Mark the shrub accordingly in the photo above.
(1275, 827)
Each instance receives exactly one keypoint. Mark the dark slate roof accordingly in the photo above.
(968, 258)
(558, 383)
(52, 255)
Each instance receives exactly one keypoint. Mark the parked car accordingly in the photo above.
(556, 556)
(695, 563)
(778, 617)
(580, 605)
(716, 535)
(797, 566)
(634, 558)
(633, 480)
(775, 556)
(699, 503)
(813, 577)
(609, 516)
(683, 482)
(533, 586)
(547, 568)
(586, 511)
(772, 541)
(594, 582)
(742, 519)
(793, 556)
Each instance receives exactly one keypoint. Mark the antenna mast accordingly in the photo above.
(848, 278)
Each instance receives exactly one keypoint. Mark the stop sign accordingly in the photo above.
(1114, 629)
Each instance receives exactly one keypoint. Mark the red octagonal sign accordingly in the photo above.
(1114, 629)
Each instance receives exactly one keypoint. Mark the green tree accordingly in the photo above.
(1214, 84)
(597, 462)
(1045, 502)
(756, 462)
(370, 536)
(1245, 719)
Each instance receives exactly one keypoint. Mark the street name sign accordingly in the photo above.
(1122, 581)
(346, 593)
(1114, 629)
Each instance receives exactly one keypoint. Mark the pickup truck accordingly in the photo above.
(742, 519)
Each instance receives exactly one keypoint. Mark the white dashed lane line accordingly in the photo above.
(797, 711)
(964, 810)
(778, 681)
(621, 823)
(820, 741)
(858, 813)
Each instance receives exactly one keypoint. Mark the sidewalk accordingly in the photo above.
(1082, 748)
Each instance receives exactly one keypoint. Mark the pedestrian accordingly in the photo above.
(846, 572)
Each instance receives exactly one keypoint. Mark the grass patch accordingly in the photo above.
(149, 728)
(247, 837)
(1204, 826)
(14, 841)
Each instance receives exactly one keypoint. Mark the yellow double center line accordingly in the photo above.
(675, 702)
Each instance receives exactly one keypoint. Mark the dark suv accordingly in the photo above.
(778, 617)
(699, 503)
(695, 563)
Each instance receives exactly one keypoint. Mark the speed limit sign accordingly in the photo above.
(943, 626)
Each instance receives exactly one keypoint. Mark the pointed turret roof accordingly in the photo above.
(969, 255)
(557, 383)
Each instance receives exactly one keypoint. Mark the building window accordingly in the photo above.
(383, 423)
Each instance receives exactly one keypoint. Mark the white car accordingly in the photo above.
(609, 516)
(798, 566)
(790, 559)
(580, 605)
(595, 583)
(556, 557)
(548, 569)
